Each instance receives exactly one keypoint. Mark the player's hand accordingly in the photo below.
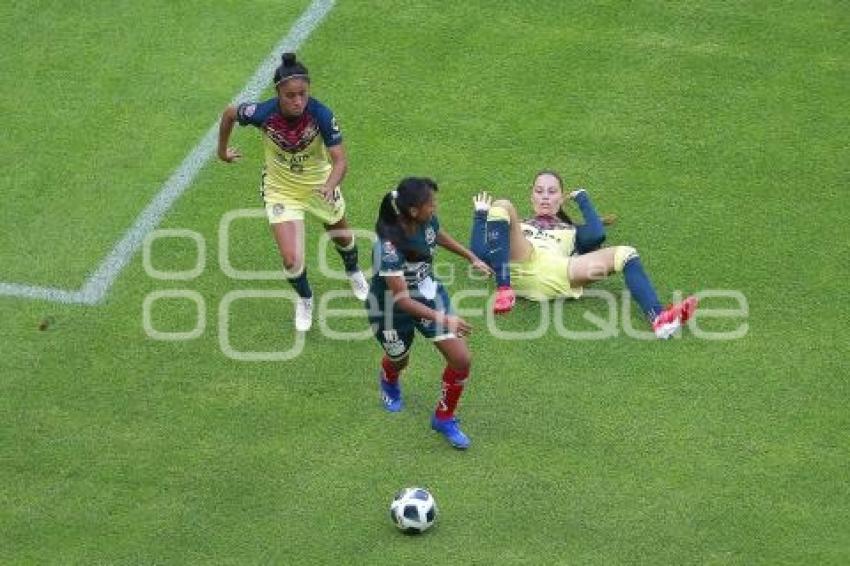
(327, 194)
(457, 325)
(230, 155)
(479, 265)
(482, 201)
(576, 193)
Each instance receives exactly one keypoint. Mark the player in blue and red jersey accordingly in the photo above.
(406, 296)
(305, 163)
(548, 256)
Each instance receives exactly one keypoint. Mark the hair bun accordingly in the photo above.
(288, 59)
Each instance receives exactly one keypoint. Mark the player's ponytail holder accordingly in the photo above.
(393, 196)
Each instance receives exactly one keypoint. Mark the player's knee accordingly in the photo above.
(501, 209)
(622, 255)
(397, 363)
(293, 267)
(504, 203)
(344, 243)
(461, 361)
(342, 238)
(292, 262)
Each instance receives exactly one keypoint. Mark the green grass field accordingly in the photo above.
(716, 131)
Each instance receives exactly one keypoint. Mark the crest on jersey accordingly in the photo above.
(334, 125)
(430, 235)
(249, 110)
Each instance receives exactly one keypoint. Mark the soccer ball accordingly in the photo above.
(413, 510)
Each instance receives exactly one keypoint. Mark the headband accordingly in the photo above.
(295, 76)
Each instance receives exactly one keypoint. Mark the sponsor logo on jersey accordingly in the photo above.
(393, 345)
(390, 253)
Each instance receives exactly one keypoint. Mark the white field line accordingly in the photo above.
(97, 285)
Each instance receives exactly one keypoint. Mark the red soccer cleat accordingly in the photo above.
(672, 318)
(689, 306)
(505, 300)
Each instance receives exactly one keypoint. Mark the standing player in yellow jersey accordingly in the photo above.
(548, 256)
(305, 163)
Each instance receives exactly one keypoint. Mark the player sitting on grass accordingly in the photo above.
(548, 256)
(405, 296)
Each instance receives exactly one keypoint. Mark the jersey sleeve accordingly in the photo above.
(246, 113)
(255, 113)
(328, 125)
(391, 262)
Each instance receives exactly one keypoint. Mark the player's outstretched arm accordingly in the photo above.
(225, 127)
(449, 243)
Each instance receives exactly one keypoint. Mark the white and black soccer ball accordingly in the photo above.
(413, 510)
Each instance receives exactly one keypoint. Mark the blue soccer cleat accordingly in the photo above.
(449, 429)
(390, 394)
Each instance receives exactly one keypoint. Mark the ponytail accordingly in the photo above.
(563, 216)
(411, 192)
(388, 227)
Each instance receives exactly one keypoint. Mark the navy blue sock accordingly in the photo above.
(641, 288)
(499, 243)
(349, 257)
(591, 234)
(301, 285)
(478, 238)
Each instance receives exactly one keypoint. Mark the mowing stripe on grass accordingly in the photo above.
(95, 288)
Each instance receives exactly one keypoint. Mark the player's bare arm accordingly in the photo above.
(449, 243)
(402, 298)
(225, 128)
(339, 166)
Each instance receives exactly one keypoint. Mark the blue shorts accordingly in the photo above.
(394, 329)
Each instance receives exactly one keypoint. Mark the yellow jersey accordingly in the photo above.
(296, 156)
